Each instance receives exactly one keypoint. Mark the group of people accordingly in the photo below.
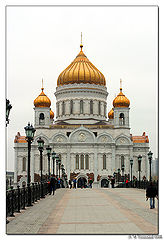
(81, 183)
(54, 183)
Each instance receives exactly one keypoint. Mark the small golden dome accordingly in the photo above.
(42, 100)
(111, 114)
(81, 70)
(121, 100)
(51, 114)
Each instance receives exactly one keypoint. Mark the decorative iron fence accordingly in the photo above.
(136, 184)
(17, 199)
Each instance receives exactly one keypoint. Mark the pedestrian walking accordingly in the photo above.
(70, 184)
(74, 183)
(151, 192)
(90, 182)
(52, 185)
(112, 182)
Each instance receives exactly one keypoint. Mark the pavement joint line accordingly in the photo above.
(135, 218)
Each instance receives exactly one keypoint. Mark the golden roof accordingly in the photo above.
(111, 114)
(121, 100)
(81, 70)
(42, 100)
(51, 114)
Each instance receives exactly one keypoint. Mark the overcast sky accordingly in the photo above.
(120, 41)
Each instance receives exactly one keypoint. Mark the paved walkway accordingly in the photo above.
(88, 211)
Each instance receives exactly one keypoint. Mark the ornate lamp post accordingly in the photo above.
(118, 174)
(8, 108)
(139, 168)
(150, 154)
(123, 168)
(57, 161)
(131, 165)
(40, 148)
(49, 154)
(53, 163)
(30, 131)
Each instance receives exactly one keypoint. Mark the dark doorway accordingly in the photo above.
(82, 182)
(104, 183)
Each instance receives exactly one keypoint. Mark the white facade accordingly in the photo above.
(77, 133)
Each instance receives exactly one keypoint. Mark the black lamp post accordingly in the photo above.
(49, 154)
(53, 161)
(40, 148)
(131, 165)
(123, 168)
(139, 168)
(8, 108)
(150, 154)
(57, 161)
(30, 131)
(118, 174)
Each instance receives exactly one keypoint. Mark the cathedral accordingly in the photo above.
(90, 143)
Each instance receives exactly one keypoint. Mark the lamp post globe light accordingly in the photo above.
(53, 162)
(139, 168)
(150, 154)
(30, 131)
(131, 166)
(49, 154)
(8, 108)
(40, 148)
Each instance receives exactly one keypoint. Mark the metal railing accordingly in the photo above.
(17, 199)
(136, 184)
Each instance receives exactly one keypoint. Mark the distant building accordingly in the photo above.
(155, 167)
(9, 179)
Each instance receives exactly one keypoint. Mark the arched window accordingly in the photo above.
(41, 119)
(91, 107)
(86, 161)
(104, 161)
(81, 106)
(24, 164)
(82, 161)
(63, 108)
(77, 162)
(122, 119)
(122, 161)
(71, 107)
(99, 108)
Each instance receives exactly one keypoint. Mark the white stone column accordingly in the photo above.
(16, 165)
(95, 164)
(32, 164)
(68, 163)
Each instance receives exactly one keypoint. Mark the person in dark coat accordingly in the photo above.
(70, 183)
(151, 192)
(74, 183)
(112, 182)
(52, 185)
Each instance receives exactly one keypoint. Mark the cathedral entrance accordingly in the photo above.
(104, 183)
(81, 182)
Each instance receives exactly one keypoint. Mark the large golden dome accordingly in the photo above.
(42, 100)
(121, 100)
(81, 70)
